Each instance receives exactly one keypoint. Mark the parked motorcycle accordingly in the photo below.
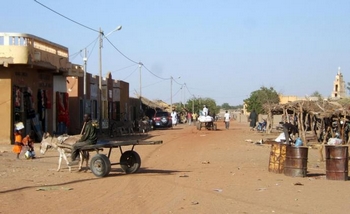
(262, 126)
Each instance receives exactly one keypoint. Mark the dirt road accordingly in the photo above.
(191, 172)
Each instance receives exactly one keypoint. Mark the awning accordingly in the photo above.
(150, 103)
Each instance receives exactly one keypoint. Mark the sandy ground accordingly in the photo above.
(191, 172)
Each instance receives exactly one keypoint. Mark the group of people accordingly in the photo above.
(190, 117)
(89, 137)
(289, 128)
(26, 144)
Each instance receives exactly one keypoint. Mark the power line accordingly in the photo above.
(177, 92)
(130, 74)
(188, 90)
(155, 74)
(120, 51)
(177, 82)
(152, 84)
(123, 68)
(66, 17)
(75, 54)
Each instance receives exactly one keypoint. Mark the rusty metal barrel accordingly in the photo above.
(295, 164)
(277, 157)
(337, 162)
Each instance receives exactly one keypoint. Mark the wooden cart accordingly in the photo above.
(206, 121)
(208, 125)
(130, 160)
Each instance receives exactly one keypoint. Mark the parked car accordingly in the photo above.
(162, 119)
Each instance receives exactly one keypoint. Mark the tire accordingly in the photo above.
(100, 165)
(130, 162)
(164, 121)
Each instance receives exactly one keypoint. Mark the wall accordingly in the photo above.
(6, 131)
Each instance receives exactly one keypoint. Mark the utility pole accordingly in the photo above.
(100, 81)
(101, 35)
(84, 90)
(140, 65)
(171, 93)
(140, 110)
(192, 105)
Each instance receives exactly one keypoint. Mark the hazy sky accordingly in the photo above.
(221, 49)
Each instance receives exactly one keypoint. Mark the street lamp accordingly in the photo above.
(100, 69)
(171, 92)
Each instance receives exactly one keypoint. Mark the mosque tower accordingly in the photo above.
(339, 90)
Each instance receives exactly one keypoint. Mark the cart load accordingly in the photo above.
(207, 122)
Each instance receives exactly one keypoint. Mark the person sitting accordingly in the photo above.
(29, 141)
(205, 110)
(89, 137)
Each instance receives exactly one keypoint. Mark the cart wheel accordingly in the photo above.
(100, 165)
(130, 162)
(198, 126)
(214, 127)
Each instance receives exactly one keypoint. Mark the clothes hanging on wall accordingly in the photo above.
(62, 108)
(28, 103)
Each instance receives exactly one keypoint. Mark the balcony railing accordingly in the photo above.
(31, 41)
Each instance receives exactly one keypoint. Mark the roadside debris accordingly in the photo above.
(298, 184)
(218, 190)
(49, 188)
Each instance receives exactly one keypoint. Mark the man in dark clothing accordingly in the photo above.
(253, 117)
(89, 137)
(288, 129)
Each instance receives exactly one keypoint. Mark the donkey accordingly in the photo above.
(64, 146)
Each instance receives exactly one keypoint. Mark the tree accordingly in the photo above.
(348, 86)
(262, 101)
(226, 106)
(317, 94)
(260, 97)
(197, 105)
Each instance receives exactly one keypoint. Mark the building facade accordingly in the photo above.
(32, 73)
(114, 100)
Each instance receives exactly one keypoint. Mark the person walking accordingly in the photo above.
(194, 117)
(174, 117)
(227, 120)
(189, 118)
(17, 148)
(252, 119)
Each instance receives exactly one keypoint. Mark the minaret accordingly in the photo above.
(339, 90)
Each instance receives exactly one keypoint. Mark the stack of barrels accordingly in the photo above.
(292, 161)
